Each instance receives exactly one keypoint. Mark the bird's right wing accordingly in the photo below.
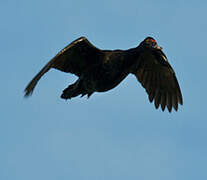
(159, 79)
(75, 58)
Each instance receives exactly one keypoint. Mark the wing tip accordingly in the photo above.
(28, 92)
(166, 104)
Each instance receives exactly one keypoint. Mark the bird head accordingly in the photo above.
(151, 42)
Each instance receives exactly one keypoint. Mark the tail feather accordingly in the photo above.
(30, 87)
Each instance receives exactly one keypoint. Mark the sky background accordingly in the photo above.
(113, 135)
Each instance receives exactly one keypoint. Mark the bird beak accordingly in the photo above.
(158, 47)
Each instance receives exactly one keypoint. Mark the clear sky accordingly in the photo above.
(113, 135)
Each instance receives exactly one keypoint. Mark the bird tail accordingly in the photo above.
(30, 87)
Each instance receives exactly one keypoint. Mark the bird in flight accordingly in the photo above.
(101, 70)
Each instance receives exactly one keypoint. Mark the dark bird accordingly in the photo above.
(101, 70)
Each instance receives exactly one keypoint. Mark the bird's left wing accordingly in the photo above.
(158, 78)
(76, 58)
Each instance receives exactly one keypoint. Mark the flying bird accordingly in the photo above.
(101, 70)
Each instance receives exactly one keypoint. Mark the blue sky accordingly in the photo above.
(113, 135)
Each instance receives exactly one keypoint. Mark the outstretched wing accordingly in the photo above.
(76, 58)
(158, 78)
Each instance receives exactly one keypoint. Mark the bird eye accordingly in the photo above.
(153, 44)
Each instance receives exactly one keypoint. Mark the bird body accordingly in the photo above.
(101, 70)
(114, 68)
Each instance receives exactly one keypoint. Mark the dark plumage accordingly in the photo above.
(101, 70)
